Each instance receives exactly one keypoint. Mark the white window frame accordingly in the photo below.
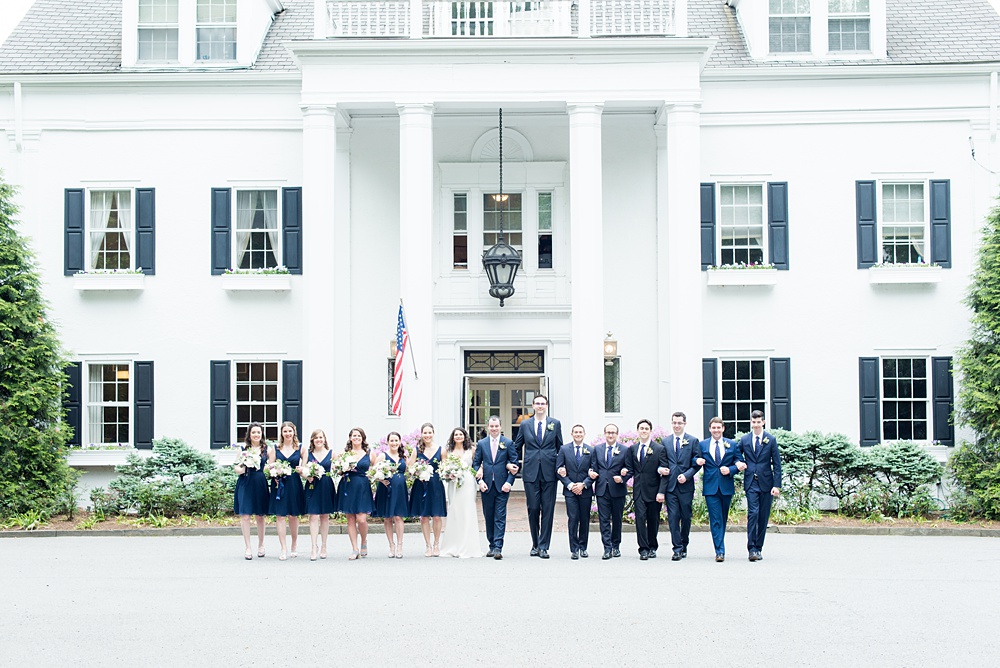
(720, 225)
(928, 391)
(508, 196)
(89, 424)
(92, 230)
(883, 223)
(550, 230)
(765, 402)
(275, 240)
(456, 233)
(213, 23)
(239, 426)
(834, 17)
(796, 13)
(164, 25)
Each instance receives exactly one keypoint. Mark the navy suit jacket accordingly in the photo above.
(576, 472)
(764, 465)
(647, 481)
(682, 463)
(713, 481)
(539, 458)
(605, 485)
(495, 473)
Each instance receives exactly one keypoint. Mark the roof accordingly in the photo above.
(69, 36)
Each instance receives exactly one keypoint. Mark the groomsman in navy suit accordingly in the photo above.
(610, 476)
(682, 451)
(762, 480)
(721, 459)
(498, 457)
(645, 461)
(573, 468)
(541, 438)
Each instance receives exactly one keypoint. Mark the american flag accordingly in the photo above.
(402, 338)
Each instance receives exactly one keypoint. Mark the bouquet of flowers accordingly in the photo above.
(384, 470)
(421, 471)
(344, 464)
(313, 470)
(248, 460)
(452, 468)
(277, 469)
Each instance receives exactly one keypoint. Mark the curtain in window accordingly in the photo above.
(244, 221)
(270, 204)
(917, 242)
(100, 216)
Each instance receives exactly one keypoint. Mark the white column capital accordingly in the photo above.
(672, 111)
(319, 110)
(581, 108)
(415, 108)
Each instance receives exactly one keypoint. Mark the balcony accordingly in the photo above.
(514, 18)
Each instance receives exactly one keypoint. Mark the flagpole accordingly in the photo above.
(410, 336)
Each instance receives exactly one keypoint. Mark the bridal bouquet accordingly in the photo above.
(248, 460)
(452, 468)
(277, 469)
(384, 470)
(421, 471)
(313, 470)
(344, 464)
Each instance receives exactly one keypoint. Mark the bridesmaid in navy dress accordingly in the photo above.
(356, 492)
(321, 495)
(251, 497)
(427, 499)
(391, 503)
(292, 501)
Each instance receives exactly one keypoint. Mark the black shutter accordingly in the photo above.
(142, 419)
(941, 223)
(707, 225)
(291, 399)
(221, 216)
(709, 390)
(777, 224)
(781, 393)
(868, 247)
(72, 402)
(73, 243)
(943, 391)
(219, 388)
(145, 230)
(871, 432)
(291, 231)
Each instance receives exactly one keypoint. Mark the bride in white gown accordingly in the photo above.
(461, 533)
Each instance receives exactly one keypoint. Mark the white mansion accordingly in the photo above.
(652, 148)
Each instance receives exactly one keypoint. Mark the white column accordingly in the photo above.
(416, 247)
(587, 261)
(680, 283)
(319, 147)
(339, 341)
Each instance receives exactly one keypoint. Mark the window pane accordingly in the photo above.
(108, 404)
(741, 233)
(510, 207)
(904, 398)
(544, 251)
(612, 385)
(157, 11)
(743, 390)
(257, 395)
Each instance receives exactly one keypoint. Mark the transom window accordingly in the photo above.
(216, 30)
(904, 223)
(904, 398)
(110, 229)
(849, 25)
(460, 236)
(108, 403)
(789, 26)
(510, 205)
(157, 31)
(742, 227)
(258, 232)
(257, 398)
(744, 390)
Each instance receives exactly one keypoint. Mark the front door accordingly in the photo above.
(510, 398)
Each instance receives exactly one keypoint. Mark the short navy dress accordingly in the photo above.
(428, 500)
(288, 497)
(321, 495)
(391, 499)
(356, 489)
(251, 497)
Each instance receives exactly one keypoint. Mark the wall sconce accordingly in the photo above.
(392, 348)
(610, 349)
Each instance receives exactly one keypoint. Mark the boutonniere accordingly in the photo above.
(614, 450)
(684, 441)
(550, 426)
(501, 446)
(727, 445)
(586, 451)
(649, 449)
(767, 440)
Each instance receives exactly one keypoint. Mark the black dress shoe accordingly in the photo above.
(583, 553)
(491, 553)
(684, 554)
(497, 555)
(607, 554)
(677, 557)
(544, 554)
(652, 554)
(760, 557)
(643, 556)
(534, 552)
(575, 555)
(616, 552)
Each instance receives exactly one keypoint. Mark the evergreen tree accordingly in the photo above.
(34, 475)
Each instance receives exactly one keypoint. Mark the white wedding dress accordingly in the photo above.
(461, 532)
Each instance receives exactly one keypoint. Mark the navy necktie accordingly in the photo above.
(718, 453)
(642, 452)
(578, 455)
(608, 450)
(538, 431)
(677, 446)
(756, 445)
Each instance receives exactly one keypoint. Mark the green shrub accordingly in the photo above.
(975, 467)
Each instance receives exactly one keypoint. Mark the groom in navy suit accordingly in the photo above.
(498, 457)
(682, 451)
(762, 480)
(541, 438)
(721, 459)
(573, 468)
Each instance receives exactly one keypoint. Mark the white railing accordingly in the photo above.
(511, 18)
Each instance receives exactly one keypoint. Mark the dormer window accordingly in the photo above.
(216, 30)
(157, 31)
(789, 26)
(850, 26)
